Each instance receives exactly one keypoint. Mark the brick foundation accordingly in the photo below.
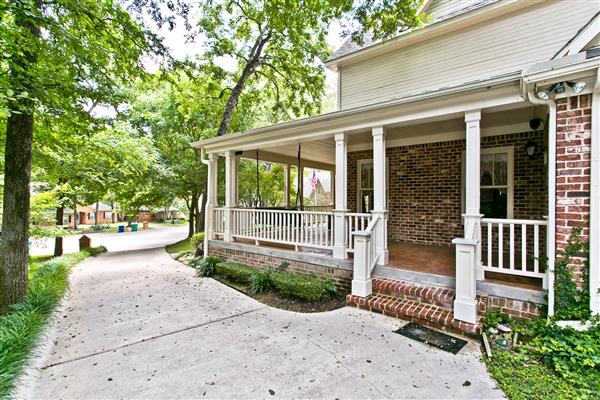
(341, 277)
(424, 186)
(573, 168)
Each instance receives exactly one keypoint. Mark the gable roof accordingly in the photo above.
(440, 10)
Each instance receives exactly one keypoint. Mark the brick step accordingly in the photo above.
(414, 311)
(441, 297)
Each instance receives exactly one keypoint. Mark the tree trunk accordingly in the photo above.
(96, 212)
(58, 241)
(14, 249)
(75, 216)
(112, 211)
(192, 216)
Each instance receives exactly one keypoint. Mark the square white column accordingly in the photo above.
(211, 199)
(341, 172)
(230, 193)
(286, 186)
(472, 216)
(380, 193)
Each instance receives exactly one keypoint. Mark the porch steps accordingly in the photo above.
(430, 306)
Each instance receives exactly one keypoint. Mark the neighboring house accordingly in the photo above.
(464, 153)
(86, 215)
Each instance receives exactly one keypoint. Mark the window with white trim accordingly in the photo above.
(496, 182)
(365, 186)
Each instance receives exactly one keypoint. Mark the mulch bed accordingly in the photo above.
(278, 300)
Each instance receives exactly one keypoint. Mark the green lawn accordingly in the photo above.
(21, 327)
(182, 245)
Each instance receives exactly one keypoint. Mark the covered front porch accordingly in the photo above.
(407, 194)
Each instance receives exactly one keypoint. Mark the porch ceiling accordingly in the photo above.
(318, 154)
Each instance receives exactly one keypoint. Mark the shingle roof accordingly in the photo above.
(349, 46)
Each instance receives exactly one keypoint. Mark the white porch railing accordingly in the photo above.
(297, 228)
(218, 221)
(514, 246)
(355, 222)
(366, 257)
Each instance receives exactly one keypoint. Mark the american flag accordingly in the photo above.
(314, 180)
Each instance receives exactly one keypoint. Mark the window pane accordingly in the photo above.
(500, 169)
(366, 176)
(487, 169)
(366, 199)
(494, 203)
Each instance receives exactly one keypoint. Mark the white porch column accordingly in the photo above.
(468, 250)
(380, 193)
(340, 239)
(230, 193)
(286, 185)
(211, 198)
(472, 217)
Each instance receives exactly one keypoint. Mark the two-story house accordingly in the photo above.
(463, 154)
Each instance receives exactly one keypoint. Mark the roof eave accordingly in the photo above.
(435, 29)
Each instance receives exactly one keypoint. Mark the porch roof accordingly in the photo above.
(428, 106)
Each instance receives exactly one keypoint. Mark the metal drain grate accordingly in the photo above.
(433, 338)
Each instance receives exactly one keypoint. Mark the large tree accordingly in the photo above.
(53, 54)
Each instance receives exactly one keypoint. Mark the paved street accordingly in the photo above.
(137, 324)
(156, 236)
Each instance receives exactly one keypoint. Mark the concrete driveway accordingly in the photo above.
(137, 324)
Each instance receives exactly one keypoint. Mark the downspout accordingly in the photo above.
(551, 229)
(594, 252)
(207, 216)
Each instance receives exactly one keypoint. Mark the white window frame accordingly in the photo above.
(510, 183)
(359, 163)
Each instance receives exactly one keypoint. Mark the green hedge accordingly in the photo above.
(21, 326)
(235, 272)
(308, 288)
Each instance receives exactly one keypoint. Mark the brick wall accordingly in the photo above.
(341, 277)
(424, 186)
(573, 151)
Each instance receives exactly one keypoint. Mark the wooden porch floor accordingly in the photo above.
(439, 260)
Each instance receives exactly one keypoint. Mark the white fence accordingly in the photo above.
(514, 246)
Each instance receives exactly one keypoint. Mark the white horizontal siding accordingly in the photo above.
(441, 8)
(489, 49)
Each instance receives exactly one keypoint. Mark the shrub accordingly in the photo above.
(308, 288)
(261, 281)
(197, 239)
(235, 272)
(206, 266)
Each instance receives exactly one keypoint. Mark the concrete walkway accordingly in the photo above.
(137, 324)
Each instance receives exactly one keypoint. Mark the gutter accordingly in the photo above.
(207, 210)
(551, 233)
(481, 86)
(594, 251)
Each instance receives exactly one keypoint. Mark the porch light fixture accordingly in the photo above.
(577, 87)
(561, 87)
(532, 149)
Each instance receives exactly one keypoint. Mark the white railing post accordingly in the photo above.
(473, 231)
(379, 193)
(340, 239)
(362, 284)
(465, 305)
